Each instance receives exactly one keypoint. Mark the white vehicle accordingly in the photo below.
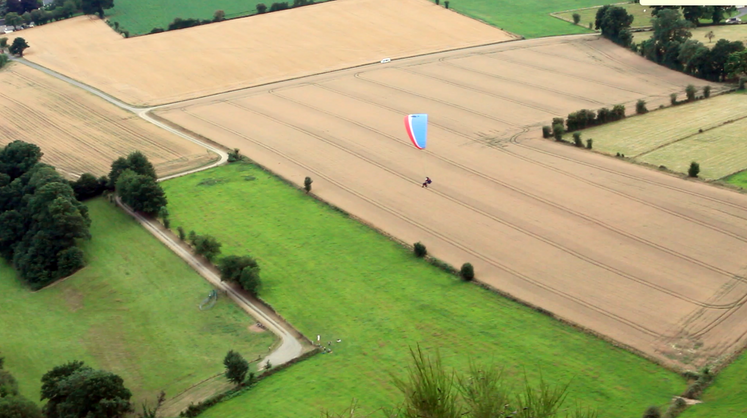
(8, 30)
(385, 60)
(733, 20)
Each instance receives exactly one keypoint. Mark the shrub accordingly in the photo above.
(546, 131)
(694, 169)
(307, 184)
(707, 91)
(604, 115)
(180, 230)
(577, 139)
(690, 92)
(589, 143)
(580, 120)
(673, 99)
(652, 412)
(234, 155)
(219, 15)
(156, 30)
(467, 272)
(274, 7)
(420, 250)
(191, 237)
(557, 131)
(576, 18)
(618, 112)
(558, 121)
(640, 107)
(438, 2)
(446, 4)
(261, 8)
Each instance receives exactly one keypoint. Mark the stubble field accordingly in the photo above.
(209, 59)
(672, 137)
(78, 132)
(644, 258)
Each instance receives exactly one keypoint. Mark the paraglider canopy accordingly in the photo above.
(417, 129)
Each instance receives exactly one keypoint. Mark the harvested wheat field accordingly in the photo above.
(182, 64)
(79, 132)
(650, 260)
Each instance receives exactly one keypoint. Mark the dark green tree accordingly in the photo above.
(615, 25)
(8, 384)
(18, 407)
(307, 184)
(236, 367)
(87, 186)
(690, 91)
(140, 192)
(420, 250)
(219, 15)
(18, 46)
(207, 246)
(719, 56)
(576, 18)
(96, 7)
(736, 65)
(694, 13)
(670, 31)
(13, 19)
(19, 157)
(640, 107)
(467, 272)
(136, 161)
(694, 169)
(652, 412)
(242, 270)
(261, 8)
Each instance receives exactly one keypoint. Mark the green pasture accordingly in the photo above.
(141, 16)
(133, 310)
(727, 397)
(641, 14)
(530, 18)
(738, 179)
(672, 137)
(331, 276)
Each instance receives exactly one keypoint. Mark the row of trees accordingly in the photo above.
(41, 221)
(24, 12)
(16, 48)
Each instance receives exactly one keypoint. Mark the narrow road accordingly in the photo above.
(291, 347)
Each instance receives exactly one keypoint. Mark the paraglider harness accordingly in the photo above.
(427, 182)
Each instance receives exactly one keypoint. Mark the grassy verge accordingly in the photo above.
(133, 311)
(331, 276)
(672, 136)
(739, 179)
(727, 396)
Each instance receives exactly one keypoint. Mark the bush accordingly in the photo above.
(307, 184)
(156, 30)
(546, 131)
(690, 92)
(576, 18)
(694, 169)
(420, 250)
(707, 91)
(207, 246)
(558, 121)
(261, 8)
(234, 155)
(182, 235)
(604, 115)
(577, 139)
(652, 412)
(446, 4)
(3, 60)
(640, 107)
(467, 272)
(618, 112)
(274, 7)
(557, 131)
(191, 237)
(673, 99)
(219, 15)
(589, 143)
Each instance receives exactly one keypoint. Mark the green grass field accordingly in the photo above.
(640, 17)
(739, 179)
(727, 397)
(530, 18)
(331, 276)
(132, 310)
(671, 137)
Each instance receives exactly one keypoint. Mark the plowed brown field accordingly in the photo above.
(178, 65)
(650, 260)
(79, 132)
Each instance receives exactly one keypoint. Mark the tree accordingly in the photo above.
(138, 162)
(76, 390)
(3, 43)
(18, 407)
(140, 192)
(307, 184)
(557, 131)
(467, 272)
(670, 31)
(250, 280)
(182, 235)
(18, 46)
(207, 246)
(710, 35)
(19, 157)
(576, 18)
(242, 270)
(577, 139)
(13, 19)
(719, 56)
(694, 169)
(652, 412)
(87, 186)
(546, 131)
(261, 8)
(274, 7)
(690, 91)
(420, 250)
(707, 91)
(219, 15)
(91, 7)
(691, 55)
(640, 107)
(163, 213)
(236, 367)
(694, 13)
(615, 25)
(736, 64)
(673, 99)
(8, 384)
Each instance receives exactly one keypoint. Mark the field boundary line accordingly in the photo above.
(702, 131)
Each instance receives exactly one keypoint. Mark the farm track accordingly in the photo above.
(292, 346)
